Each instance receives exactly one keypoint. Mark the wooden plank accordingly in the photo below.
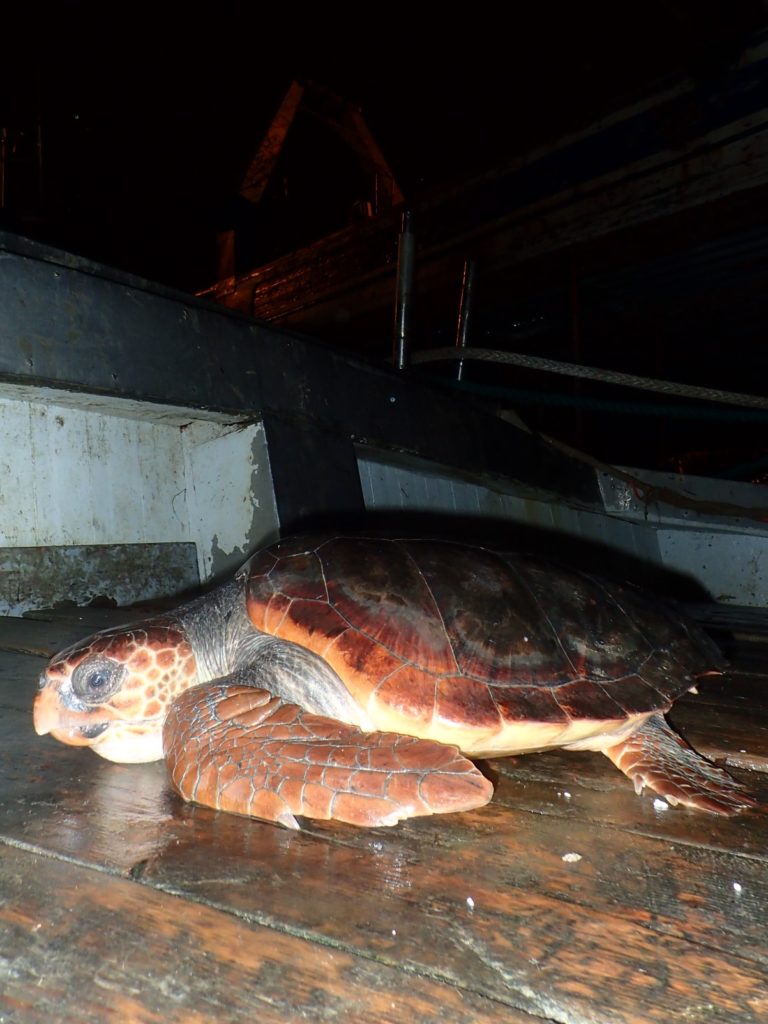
(740, 620)
(736, 737)
(43, 634)
(644, 916)
(46, 631)
(79, 945)
(742, 690)
(507, 863)
(626, 911)
(579, 787)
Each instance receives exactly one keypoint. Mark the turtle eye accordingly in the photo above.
(96, 679)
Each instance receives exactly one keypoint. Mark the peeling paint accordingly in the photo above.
(232, 506)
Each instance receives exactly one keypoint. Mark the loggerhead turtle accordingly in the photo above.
(340, 677)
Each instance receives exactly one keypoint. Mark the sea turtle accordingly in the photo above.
(345, 677)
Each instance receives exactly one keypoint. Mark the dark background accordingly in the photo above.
(149, 114)
(129, 129)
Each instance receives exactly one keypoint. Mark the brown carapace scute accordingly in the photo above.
(355, 677)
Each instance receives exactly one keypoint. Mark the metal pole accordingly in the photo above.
(406, 246)
(465, 310)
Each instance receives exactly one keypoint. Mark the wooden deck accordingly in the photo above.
(567, 899)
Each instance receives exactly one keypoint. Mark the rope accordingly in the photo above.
(592, 373)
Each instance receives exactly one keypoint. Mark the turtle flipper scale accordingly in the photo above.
(241, 749)
(657, 757)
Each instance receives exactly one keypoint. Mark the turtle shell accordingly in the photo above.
(498, 652)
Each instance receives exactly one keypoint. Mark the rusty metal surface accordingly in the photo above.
(81, 573)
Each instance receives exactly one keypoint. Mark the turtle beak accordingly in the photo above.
(71, 727)
(45, 714)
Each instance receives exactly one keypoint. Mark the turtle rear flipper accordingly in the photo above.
(241, 749)
(657, 757)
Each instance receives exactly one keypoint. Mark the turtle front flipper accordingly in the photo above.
(656, 757)
(241, 749)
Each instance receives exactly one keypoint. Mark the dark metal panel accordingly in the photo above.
(71, 327)
(314, 475)
(386, 410)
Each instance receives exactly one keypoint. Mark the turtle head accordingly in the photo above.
(112, 690)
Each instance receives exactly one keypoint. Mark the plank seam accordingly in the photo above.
(266, 921)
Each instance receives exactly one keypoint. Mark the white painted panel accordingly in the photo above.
(79, 477)
(733, 567)
(79, 470)
(727, 504)
(728, 556)
(229, 495)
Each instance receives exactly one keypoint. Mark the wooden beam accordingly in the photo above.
(262, 166)
(225, 255)
(341, 117)
(347, 121)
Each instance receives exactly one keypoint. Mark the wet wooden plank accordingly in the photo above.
(33, 636)
(78, 945)
(644, 915)
(479, 878)
(736, 689)
(580, 791)
(735, 737)
(565, 939)
(582, 787)
(730, 620)
(45, 633)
